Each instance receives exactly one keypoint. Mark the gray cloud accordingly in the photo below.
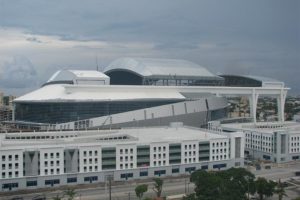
(254, 37)
(19, 73)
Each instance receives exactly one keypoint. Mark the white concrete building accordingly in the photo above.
(45, 159)
(275, 141)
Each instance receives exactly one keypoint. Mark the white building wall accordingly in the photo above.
(159, 154)
(51, 161)
(233, 137)
(126, 156)
(219, 149)
(189, 152)
(90, 158)
(294, 143)
(11, 163)
(267, 143)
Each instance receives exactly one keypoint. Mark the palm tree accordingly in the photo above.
(70, 193)
(280, 191)
(158, 183)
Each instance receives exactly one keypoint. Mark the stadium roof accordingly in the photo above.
(160, 67)
(80, 93)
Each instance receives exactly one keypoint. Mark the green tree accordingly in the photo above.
(70, 193)
(238, 182)
(264, 188)
(140, 190)
(208, 185)
(157, 186)
(280, 191)
(232, 184)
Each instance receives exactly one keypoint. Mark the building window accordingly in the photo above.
(175, 170)
(72, 180)
(204, 167)
(144, 173)
(90, 179)
(219, 166)
(159, 172)
(190, 169)
(31, 183)
(52, 182)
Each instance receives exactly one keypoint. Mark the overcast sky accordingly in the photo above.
(38, 37)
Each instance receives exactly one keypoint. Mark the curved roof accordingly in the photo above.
(63, 75)
(159, 67)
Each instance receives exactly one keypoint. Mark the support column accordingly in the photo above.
(13, 111)
(253, 104)
(280, 105)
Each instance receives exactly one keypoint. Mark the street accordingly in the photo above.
(119, 192)
(172, 186)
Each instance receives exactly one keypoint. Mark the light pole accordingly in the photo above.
(185, 185)
(109, 179)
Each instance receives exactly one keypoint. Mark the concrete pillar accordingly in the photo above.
(280, 105)
(13, 111)
(253, 104)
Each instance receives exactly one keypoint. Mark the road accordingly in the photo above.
(119, 192)
(171, 186)
(283, 172)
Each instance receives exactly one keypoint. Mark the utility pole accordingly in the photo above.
(109, 179)
(185, 185)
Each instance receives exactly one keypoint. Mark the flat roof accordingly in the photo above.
(77, 74)
(139, 136)
(264, 127)
(69, 93)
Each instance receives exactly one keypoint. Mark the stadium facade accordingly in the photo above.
(154, 92)
(72, 95)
